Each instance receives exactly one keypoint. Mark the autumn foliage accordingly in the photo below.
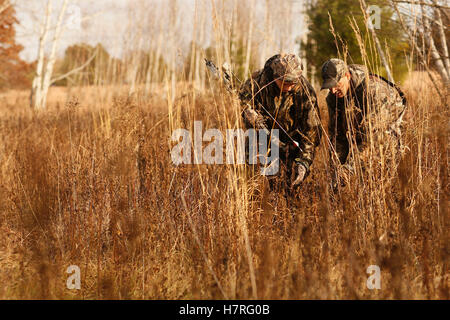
(13, 71)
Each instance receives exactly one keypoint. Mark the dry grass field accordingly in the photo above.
(90, 182)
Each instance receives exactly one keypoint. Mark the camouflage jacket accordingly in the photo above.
(372, 102)
(295, 111)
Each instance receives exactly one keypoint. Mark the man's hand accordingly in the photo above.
(254, 118)
(300, 173)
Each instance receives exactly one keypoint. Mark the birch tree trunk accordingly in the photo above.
(432, 46)
(36, 89)
(44, 69)
(443, 39)
(52, 58)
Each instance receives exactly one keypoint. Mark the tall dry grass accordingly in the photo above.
(90, 182)
(93, 185)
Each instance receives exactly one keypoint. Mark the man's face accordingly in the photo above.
(284, 85)
(341, 89)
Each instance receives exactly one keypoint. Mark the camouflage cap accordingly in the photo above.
(288, 67)
(332, 71)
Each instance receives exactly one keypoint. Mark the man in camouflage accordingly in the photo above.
(279, 97)
(362, 107)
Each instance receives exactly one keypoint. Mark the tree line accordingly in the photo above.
(411, 36)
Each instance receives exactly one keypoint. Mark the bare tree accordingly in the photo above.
(443, 39)
(438, 59)
(419, 26)
(44, 67)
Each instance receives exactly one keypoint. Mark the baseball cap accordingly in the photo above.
(332, 71)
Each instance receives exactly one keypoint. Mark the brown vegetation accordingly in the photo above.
(89, 181)
(93, 185)
(14, 73)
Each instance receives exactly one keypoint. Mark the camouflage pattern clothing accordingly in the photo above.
(295, 111)
(372, 109)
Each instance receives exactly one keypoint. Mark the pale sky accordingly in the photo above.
(107, 25)
(106, 21)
